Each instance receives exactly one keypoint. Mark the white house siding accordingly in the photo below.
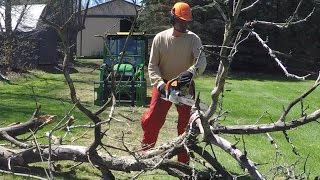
(91, 45)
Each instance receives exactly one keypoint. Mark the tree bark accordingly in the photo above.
(12, 158)
(8, 42)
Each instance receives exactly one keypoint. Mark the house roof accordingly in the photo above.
(113, 7)
(29, 20)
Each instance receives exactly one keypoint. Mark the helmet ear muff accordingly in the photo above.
(172, 17)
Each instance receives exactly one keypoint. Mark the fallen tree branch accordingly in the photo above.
(280, 125)
(9, 138)
(228, 148)
(79, 154)
(35, 123)
(294, 102)
(264, 128)
(212, 161)
(237, 155)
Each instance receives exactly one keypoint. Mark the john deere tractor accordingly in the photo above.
(123, 69)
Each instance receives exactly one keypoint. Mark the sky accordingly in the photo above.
(93, 2)
(28, 21)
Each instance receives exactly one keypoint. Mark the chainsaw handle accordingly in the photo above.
(169, 86)
(171, 83)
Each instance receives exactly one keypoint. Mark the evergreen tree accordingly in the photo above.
(208, 24)
(155, 16)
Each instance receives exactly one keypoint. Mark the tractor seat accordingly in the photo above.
(125, 71)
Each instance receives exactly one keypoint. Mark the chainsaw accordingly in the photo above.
(180, 96)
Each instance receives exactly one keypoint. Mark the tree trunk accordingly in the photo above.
(8, 47)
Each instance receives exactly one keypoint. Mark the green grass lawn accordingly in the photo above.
(254, 98)
(248, 99)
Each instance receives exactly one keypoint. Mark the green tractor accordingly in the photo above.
(123, 72)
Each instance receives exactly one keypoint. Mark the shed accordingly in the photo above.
(110, 17)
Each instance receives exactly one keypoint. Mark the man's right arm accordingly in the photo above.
(154, 61)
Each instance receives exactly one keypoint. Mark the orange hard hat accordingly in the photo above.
(182, 11)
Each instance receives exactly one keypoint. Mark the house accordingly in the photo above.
(110, 17)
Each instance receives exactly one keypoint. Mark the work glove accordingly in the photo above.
(184, 78)
(161, 88)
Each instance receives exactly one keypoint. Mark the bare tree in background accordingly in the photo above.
(202, 124)
(8, 47)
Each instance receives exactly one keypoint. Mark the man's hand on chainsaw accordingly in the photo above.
(162, 88)
(184, 78)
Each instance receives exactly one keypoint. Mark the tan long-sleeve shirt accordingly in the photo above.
(172, 55)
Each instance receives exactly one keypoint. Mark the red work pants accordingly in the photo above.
(154, 118)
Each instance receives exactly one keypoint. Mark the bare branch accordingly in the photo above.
(294, 149)
(251, 6)
(283, 25)
(290, 19)
(218, 7)
(85, 12)
(50, 137)
(238, 41)
(237, 9)
(294, 102)
(212, 161)
(237, 155)
(9, 138)
(103, 108)
(39, 150)
(318, 80)
(272, 141)
(271, 54)
(24, 9)
(78, 154)
(263, 128)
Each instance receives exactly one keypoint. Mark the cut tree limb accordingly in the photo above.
(228, 148)
(35, 123)
(79, 154)
(263, 128)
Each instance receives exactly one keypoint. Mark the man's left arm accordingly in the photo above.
(200, 62)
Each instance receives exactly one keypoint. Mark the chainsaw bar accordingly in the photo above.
(175, 98)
